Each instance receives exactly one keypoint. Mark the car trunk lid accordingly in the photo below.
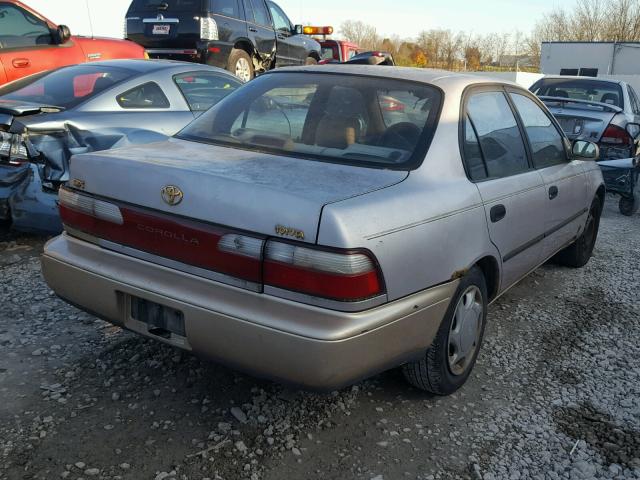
(245, 190)
(580, 119)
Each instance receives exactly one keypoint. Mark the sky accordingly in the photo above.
(405, 18)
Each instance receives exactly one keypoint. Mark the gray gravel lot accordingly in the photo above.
(556, 393)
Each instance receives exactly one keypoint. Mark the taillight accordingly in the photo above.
(616, 135)
(89, 206)
(335, 275)
(192, 243)
(13, 148)
(208, 29)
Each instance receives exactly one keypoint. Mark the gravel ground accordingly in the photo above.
(556, 393)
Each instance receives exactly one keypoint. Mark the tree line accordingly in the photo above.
(586, 20)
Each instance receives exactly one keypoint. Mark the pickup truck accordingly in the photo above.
(338, 51)
(30, 43)
(244, 36)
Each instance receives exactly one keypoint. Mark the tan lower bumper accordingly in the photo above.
(267, 336)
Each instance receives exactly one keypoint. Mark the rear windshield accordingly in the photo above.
(340, 118)
(166, 5)
(580, 89)
(66, 87)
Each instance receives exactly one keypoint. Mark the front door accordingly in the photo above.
(285, 37)
(512, 192)
(27, 45)
(565, 181)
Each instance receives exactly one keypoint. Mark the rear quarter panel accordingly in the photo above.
(107, 49)
(424, 231)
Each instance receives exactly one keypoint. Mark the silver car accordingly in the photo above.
(302, 231)
(48, 117)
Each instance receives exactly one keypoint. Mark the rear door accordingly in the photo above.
(27, 45)
(564, 179)
(512, 192)
(260, 28)
(165, 24)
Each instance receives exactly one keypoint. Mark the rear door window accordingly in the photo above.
(146, 96)
(261, 13)
(20, 29)
(547, 144)
(498, 134)
(228, 8)
(202, 90)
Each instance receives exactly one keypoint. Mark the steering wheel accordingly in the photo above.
(403, 136)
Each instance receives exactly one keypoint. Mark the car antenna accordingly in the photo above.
(89, 15)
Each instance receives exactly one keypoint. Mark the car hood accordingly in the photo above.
(242, 189)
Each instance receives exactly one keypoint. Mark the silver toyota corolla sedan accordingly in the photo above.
(301, 231)
(48, 117)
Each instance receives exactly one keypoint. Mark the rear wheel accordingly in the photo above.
(449, 361)
(629, 205)
(578, 254)
(240, 65)
(311, 61)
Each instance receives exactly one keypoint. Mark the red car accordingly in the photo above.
(29, 43)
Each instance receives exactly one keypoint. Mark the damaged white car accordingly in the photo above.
(48, 117)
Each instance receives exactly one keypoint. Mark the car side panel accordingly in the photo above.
(21, 62)
(421, 234)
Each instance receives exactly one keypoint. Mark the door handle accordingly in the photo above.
(497, 213)
(20, 62)
(254, 30)
(553, 192)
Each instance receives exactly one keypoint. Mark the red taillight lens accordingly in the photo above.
(616, 135)
(191, 243)
(342, 276)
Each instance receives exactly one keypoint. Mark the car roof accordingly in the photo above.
(442, 78)
(148, 66)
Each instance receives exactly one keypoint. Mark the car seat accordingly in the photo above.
(610, 98)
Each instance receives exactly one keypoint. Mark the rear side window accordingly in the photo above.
(19, 29)
(260, 13)
(546, 142)
(633, 98)
(228, 8)
(149, 95)
(202, 90)
(472, 153)
(498, 135)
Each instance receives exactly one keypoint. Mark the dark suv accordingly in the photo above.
(243, 36)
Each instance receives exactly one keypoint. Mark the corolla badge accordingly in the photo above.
(172, 195)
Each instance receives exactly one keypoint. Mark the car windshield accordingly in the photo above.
(341, 118)
(66, 87)
(580, 89)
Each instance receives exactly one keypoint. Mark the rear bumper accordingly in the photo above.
(264, 335)
(215, 54)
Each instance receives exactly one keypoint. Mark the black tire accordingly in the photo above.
(433, 373)
(578, 254)
(629, 206)
(238, 56)
(311, 61)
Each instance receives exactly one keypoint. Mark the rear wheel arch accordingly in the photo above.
(600, 195)
(491, 271)
(246, 45)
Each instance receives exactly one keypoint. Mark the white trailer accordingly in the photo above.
(590, 58)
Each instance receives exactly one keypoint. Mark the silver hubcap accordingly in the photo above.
(243, 69)
(464, 334)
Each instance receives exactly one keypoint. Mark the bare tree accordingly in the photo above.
(356, 31)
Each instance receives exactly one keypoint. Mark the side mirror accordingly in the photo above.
(63, 33)
(633, 129)
(583, 150)
(298, 29)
